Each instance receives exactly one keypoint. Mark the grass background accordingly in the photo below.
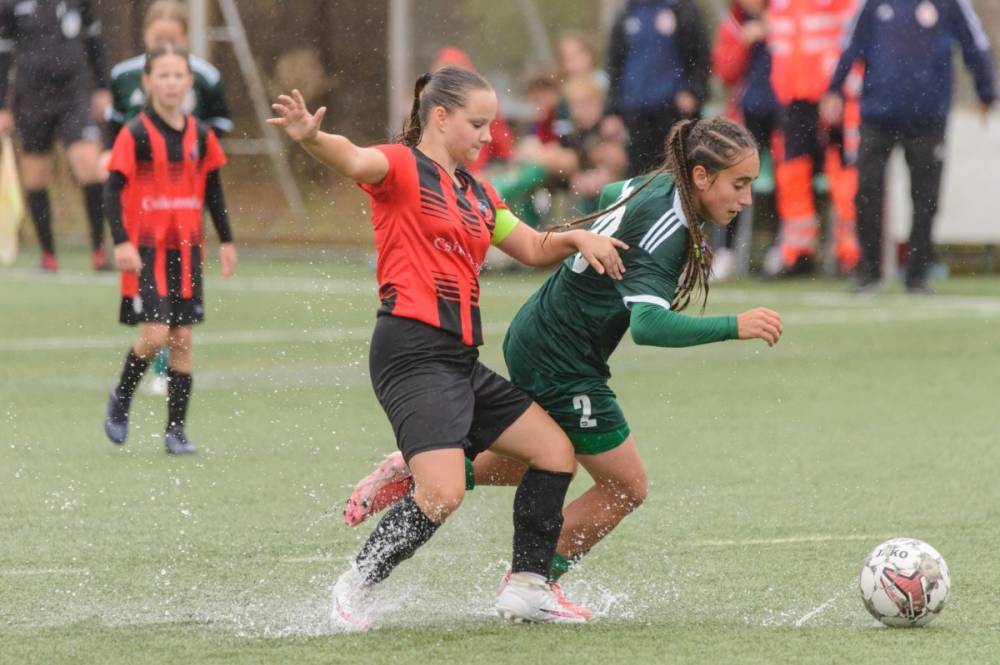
(773, 473)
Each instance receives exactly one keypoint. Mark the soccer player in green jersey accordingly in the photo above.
(558, 345)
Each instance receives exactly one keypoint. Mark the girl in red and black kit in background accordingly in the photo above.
(433, 223)
(164, 171)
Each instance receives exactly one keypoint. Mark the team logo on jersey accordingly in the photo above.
(632, 25)
(194, 154)
(666, 22)
(137, 98)
(927, 14)
(884, 12)
(137, 304)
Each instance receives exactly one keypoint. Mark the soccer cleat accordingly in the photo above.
(157, 385)
(557, 590)
(177, 443)
(566, 603)
(49, 263)
(350, 609)
(99, 260)
(528, 597)
(116, 420)
(383, 487)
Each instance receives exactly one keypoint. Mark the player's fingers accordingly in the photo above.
(286, 100)
(297, 96)
(595, 263)
(320, 113)
(620, 244)
(280, 109)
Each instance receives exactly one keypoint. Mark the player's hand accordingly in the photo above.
(601, 253)
(613, 129)
(228, 259)
(831, 109)
(754, 31)
(99, 103)
(6, 122)
(760, 323)
(127, 258)
(686, 103)
(295, 118)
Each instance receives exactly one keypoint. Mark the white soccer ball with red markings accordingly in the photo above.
(905, 582)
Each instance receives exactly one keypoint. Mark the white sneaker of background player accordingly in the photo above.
(350, 603)
(157, 385)
(528, 597)
(723, 265)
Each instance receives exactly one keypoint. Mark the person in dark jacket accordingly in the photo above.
(49, 43)
(658, 63)
(906, 47)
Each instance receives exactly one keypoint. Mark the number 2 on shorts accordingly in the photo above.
(582, 404)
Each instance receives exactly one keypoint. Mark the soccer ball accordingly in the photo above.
(905, 582)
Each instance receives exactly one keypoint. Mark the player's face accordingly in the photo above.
(467, 129)
(168, 81)
(722, 196)
(165, 30)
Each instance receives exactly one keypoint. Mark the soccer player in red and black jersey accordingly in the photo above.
(164, 171)
(433, 223)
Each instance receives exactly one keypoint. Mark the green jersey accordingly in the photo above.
(572, 324)
(206, 101)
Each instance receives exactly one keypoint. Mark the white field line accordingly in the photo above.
(360, 333)
(788, 540)
(27, 572)
(816, 611)
(341, 286)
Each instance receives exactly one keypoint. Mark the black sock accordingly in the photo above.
(397, 536)
(178, 395)
(93, 198)
(538, 519)
(41, 214)
(132, 373)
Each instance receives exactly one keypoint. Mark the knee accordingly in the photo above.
(151, 341)
(557, 456)
(439, 502)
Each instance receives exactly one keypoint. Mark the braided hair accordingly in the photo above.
(714, 144)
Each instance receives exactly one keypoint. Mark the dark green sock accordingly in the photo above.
(470, 476)
(560, 566)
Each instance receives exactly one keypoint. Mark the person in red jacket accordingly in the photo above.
(804, 38)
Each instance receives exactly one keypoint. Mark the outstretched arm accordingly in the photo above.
(544, 249)
(366, 165)
(653, 325)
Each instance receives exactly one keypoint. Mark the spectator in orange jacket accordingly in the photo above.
(804, 39)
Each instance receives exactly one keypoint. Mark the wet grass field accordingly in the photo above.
(773, 473)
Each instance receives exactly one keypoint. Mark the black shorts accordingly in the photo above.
(173, 308)
(38, 115)
(435, 391)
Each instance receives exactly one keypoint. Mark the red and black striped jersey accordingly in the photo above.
(431, 234)
(165, 171)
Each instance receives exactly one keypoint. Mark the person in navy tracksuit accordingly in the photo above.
(906, 48)
(658, 63)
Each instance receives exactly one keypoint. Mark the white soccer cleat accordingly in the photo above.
(350, 605)
(557, 591)
(528, 597)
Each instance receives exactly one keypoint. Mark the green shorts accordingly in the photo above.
(592, 420)
(586, 409)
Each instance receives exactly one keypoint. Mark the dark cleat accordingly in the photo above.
(116, 420)
(177, 443)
